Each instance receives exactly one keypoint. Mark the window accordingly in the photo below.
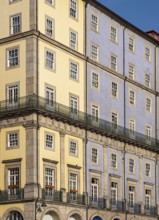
(131, 196)
(131, 165)
(13, 181)
(73, 8)
(94, 52)
(95, 80)
(113, 62)
(94, 185)
(132, 126)
(73, 148)
(14, 215)
(94, 155)
(147, 80)
(74, 105)
(73, 40)
(49, 141)
(114, 120)
(13, 139)
(73, 186)
(12, 57)
(12, 95)
(50, 96)
(147, 54)
(132, 97)
(50, 60)
(73, 70)
(113, 161)
(50, 2)
(49, 181)
(147, 169)
(15, 24)
(148, 133)
(114, 193)
(148, 104)
(94, 22)
(131, 71)
(147, 199)
(49, 25)
(114, 90)
(95, 113)
(131, 44)
(113, 34)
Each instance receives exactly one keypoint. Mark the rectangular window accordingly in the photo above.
(15, 24)
(94, 155)
(147, 169)
(95, 80)
(131, 71)
(132, 97)
(50, 96)
(94, 22)
(12, 57)
(147, 54)
(94, 52)
(95, 113)
(114, 120)
(131, 165)
(50, 60)
(113, 62)
(148, 104)
(74, 70)
(13, 139)
(148, 133)
(73, 147)
(49, 181)
(147, 80)
(73, 186)
(113, 161)
(131, 44)
(49, 27)
(131, 196)
(13, 181)
(73, 40)
(12, 95)
(74, 105)
(49, 141)
(132, 126)
(73, 8)
(147, 199)
(114, 89)
(50, 2)
(113, 34)
(94, 186)
(114, 187)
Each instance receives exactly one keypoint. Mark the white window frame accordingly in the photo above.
(73, 40)
(114, 193)
(95, 113)
(94, 155)
(49, 26)
(13, 181)
(131, 44)
(113, 161)
(132, 97)
(148, 104)
(12, 95)
(74, 105)
(73, 11)
(148, 80)
(114, 90)
(131, 71)
(147, 54)
(73, 186)
(114, 120)
(49, 181)
(94, 22)
(132, 126)
(113, 34)
(50, 58)
(13, 139)
(131, 196)
(147, 169)
(113, 62)
(147, 199)
(131, 165)
(94, 52)
(74, 70)
(12, 57)
(49, 140)
(148, 133)
(73, 147)
(15, 25)
(94, 188)
(50, 96)
(95, 80)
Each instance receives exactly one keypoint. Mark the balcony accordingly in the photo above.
(150, 210)
(97, 202)
(52, 195)
(134, 208)
(30, 104)
(117, 205)
(6, 196)
(75, 198)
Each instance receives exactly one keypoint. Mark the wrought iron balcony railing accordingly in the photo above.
(134, 208)
(52, 195)
(5, 195)
(33, 103)
(150, 210)
(117, 205)
(97, 202)
(76, 198)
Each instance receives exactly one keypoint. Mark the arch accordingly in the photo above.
(97, 218)
(51, 214)
(14, 215)
(11, 211)
(75, 215)
(116, 217)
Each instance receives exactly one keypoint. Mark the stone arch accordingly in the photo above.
(75, 215)
(11, 210)
(51, 214)
(116, 217)
(97, 216)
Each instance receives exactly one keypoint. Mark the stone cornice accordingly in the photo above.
(50, 161)
(74, 166)
(12, 160)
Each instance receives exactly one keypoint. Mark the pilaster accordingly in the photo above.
(62, 160)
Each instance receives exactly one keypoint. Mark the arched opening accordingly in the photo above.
(116, 219)
(97, 218)
(75, 217)
(51, 216)
(14, 215)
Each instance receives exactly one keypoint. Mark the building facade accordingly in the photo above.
(78, 113)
